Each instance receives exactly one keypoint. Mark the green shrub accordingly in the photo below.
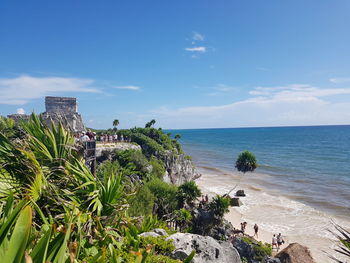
(165, 196)
(107, 168)
(142, 203)
(261, 250)
(158, 167)
(160, 245)
(219, 206)
(149, 146)
(133, 160)
(187, 193)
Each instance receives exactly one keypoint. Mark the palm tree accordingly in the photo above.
(219, 206)
(246, 162)
(115, 124)
(150, 123)
(177, 136)
(187, 193)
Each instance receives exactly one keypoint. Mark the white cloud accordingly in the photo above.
(21, 111)
(22, 89)
(297, 104)
(339, 80)
(196, 49)
(128, 87)
(198, 37)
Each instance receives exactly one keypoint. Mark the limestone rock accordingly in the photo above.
(108, 151)
(207, 249)
(295, 253)
(160, 232)
(271, 260)
(244, 249)
(179, 169)
(149, 234)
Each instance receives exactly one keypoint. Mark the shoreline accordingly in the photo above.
(274, 214)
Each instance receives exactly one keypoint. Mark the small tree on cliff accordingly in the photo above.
(177, 136)
(246, 162)
(187, 193)
(115, 124)
(150, 123)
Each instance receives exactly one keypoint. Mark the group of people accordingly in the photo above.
(114, 138)
(85, 136)
(277, 241)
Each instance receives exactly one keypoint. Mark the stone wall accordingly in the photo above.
(61, 104)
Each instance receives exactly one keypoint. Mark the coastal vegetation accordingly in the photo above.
(53, 209)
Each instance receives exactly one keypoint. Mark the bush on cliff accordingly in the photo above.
(187, 193)
(165, 197)
(142, 203)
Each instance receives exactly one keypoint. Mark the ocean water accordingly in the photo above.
(308, 164)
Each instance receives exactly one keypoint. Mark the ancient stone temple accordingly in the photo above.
(63, 109)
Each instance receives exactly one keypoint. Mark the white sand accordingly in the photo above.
(275, 214)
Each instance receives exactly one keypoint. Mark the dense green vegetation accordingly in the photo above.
(52, 209)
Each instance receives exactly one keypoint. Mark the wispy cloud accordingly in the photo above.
(295, 104)
(22, 89)
(196, 49)
(339, 80)
(221, 89)
(198, 37)
(130, 87)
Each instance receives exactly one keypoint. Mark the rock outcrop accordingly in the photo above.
(295, 253)
(179, 168)
(207, 249)
(108, 151)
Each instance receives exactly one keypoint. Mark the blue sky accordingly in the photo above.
(187, 64)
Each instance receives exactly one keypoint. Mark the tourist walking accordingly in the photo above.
(256, 229)
(280, 240)
(274, 242)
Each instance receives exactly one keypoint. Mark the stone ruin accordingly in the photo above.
(63, 109)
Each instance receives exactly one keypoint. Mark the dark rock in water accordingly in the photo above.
(240, 193)
(295, 253)
(207, 249)
(235, 201)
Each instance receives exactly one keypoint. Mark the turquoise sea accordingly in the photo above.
(308, 164)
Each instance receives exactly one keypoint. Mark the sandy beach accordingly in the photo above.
(274, 214)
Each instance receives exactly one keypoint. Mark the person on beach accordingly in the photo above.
(256, 229)
(280, 240)
(274, 242)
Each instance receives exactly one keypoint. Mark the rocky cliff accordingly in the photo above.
(179, 168)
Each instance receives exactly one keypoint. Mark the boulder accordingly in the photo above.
(271, 260)
(240, 193)
(160, 232)
(149, 234)
(207, 249)
(236, 202)
(295, 253)
(244, 249)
